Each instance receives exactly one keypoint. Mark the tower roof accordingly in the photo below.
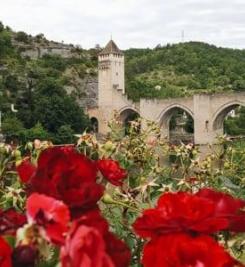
(111, 48)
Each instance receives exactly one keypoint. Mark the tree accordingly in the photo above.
(5, 44)
(1, 26)
(12, 128)
(55, 111)
(11, 83)
(239, 85)
(65, 135)
(22, 37)
(53, 61)
(36, 132)
(235, 125)
(53, 107)
(39, 37)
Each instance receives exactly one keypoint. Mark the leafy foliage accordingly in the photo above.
(184, 68)
(155, 167)
(65, 134)
(36, 132)
(144, 156)
(12, 127)
(37, 88)
(22, 37)
(235, 125)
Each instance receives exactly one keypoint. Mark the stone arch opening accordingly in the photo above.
(226, 115)
(95, 124)
(127, 116)
(177, 124)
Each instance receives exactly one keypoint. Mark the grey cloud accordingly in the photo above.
(133, 23)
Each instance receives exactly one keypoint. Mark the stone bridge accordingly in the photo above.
(207, 110)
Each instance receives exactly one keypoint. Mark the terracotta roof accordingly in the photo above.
(111, 48)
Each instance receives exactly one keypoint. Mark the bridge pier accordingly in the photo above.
(203, 132)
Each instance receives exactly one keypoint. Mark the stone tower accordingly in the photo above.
(111, 75)
(111, 88)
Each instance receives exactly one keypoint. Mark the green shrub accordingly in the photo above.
(22, 37)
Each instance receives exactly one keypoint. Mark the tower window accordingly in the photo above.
(117, 73)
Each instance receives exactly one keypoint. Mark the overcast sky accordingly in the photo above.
(132, 23)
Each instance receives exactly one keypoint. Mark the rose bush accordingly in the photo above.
(205, 212)
(112, 171)
(61, 208)
(178, 226)
(116, 204)
(183, 250)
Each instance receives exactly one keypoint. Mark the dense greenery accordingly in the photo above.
(37, 89)
(236, 125)
(140, 161)
(183, 69)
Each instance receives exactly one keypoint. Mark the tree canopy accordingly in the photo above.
(184, 69)
(37, 89)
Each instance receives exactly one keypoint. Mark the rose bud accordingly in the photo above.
(24, 255)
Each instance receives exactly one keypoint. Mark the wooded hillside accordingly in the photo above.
(50, 90)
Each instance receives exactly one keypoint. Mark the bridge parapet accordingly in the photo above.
(207, 110)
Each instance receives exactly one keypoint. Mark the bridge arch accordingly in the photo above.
(95, 124)
(221, 113)
(166, 115)
(128, 114)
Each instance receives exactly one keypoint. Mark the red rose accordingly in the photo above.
(51, 214)
(10, 221)
(85, 247)
(180, 212)
(182, 250)
(176, 225)
(67, 175)
(25, 170)
(93, 219)
(77, 212)
(228, 207)
(117, 250)
(85, 195)
(112, 171)
(5, 253)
